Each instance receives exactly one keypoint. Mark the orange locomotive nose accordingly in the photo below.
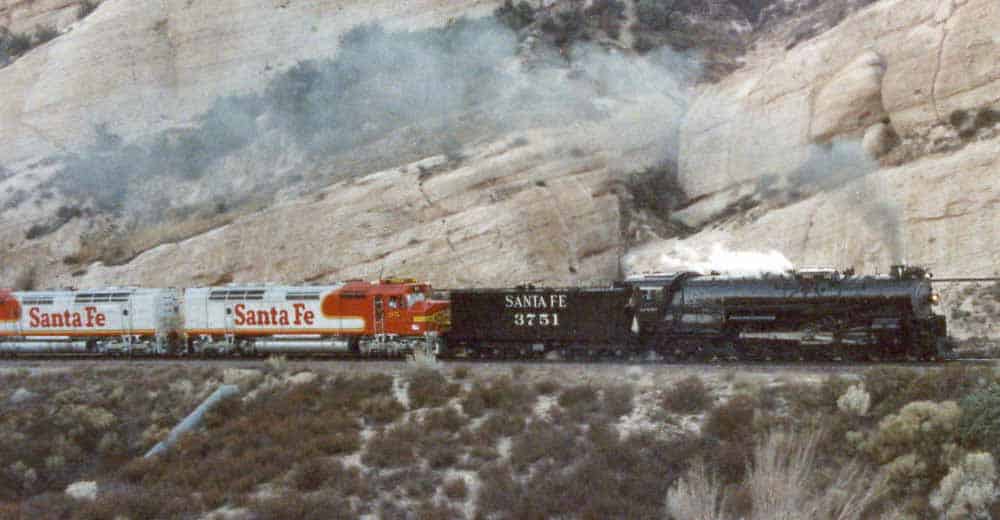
(432, 316)
(10, 309)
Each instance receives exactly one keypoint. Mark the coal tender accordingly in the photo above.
(527, 322)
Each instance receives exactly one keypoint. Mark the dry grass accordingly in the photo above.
(781, 482)
(780, 486)
(698, 495)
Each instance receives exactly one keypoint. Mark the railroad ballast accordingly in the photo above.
(807, 314)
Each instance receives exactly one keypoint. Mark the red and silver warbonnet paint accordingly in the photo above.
(116, 319)
(354, 316)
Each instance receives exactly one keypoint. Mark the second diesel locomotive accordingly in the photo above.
(389, 317)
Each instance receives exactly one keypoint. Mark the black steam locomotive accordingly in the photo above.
(812, 314)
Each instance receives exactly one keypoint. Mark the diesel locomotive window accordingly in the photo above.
(652, 294)
(302, 296)
(413, 298)
(254, 294)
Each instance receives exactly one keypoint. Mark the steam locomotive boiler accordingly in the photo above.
(809, 313)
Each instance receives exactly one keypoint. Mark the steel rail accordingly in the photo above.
(964, 280)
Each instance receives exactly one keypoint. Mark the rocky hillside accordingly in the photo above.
(471, 142)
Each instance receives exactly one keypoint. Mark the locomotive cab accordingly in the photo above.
(408, 308)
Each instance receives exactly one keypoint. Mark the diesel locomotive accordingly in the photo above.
(389, 317)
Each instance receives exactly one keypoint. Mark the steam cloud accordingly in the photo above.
(833, 166)
(386, 99)
(722, 260)
(841, 162)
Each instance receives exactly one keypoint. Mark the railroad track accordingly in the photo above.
(300, 361)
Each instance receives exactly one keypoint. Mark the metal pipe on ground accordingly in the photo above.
(193, 420)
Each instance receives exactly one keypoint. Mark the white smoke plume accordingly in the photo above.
(722, 260)
(386, 98)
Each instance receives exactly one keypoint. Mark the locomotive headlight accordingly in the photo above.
(934, 298)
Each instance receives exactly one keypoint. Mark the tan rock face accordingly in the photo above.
(940, 212)
(929, 67)
(25, 16)
(516, 213)
(914, 62)
(145, 65)
(851, 100)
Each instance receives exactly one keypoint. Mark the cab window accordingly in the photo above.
(652, 294)
(413, 298)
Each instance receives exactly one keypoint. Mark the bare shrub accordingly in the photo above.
(501, 394)
(306, 507)
(439, 451)
(979, 427)
(499, 491)
(135, 502)
(455, 489)
(392, 448)
(428, 388)
(381, 409)
(580, 401)
(855, 401)
(610, 478)
(516, 16)
(732, 421)
(689, 395)
(542, 440)
(447, 420)
(806, 399)
(618, 400)
(546, 387)
(496, 426)
(892, 389)
(578, 395)
(433, 510)
(312, 474)
(731, 460)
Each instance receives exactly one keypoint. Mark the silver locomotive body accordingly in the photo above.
(113, 320)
